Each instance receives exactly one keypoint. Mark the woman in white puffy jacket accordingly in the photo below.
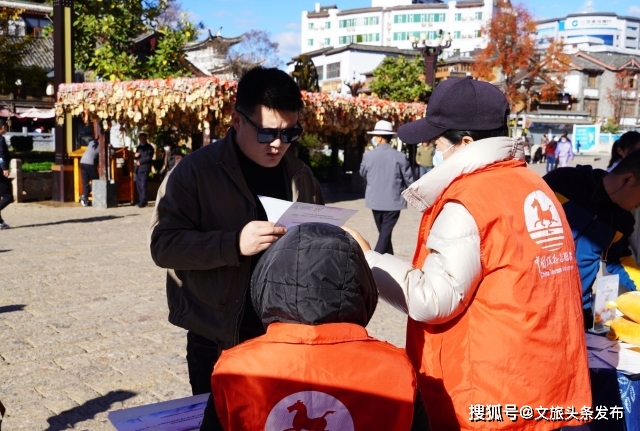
(486, 290)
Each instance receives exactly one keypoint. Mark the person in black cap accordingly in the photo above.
(494, 274)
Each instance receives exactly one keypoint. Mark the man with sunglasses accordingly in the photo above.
(209, 228)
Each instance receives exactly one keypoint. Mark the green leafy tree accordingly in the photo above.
(305, 74)
(105, 31)
(400, 79)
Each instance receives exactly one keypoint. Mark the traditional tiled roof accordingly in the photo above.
(607, 60)
(40, 52)
(27, 6)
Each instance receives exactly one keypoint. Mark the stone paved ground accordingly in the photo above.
(83, 315)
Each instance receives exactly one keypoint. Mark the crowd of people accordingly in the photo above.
(276, 319)
(497, 295)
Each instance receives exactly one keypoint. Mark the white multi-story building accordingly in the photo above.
(592, 32)
(396, 23)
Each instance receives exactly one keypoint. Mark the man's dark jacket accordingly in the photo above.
(146, 156)
(202, 206)
(5, 157)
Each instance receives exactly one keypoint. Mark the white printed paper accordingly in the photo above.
(595, 362)
(290, 214)
(624, 360)
(605, 289)
(184, 414)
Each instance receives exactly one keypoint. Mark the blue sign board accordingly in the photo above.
(585, 137)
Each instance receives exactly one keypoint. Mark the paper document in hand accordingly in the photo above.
(176, 415)
(290, 214)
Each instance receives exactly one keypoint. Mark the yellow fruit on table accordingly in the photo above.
(628, 304)
(624, 329)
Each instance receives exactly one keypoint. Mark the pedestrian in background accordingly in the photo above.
(544, 141)
(564, 150)
(143, 158)
(550, 154)
(424, 157)
(6, 189)
(628, 143)
(171, 157)
(387, 173)
(88, 167)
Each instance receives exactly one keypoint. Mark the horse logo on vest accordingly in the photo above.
(543, 221)
(314, 411)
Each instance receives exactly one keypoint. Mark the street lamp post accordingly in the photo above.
(430, 53)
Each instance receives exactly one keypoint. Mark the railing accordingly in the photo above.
(41, 141)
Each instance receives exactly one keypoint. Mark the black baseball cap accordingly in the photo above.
(458, 104)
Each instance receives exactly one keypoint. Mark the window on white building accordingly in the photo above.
(310, 42)
(327, 41)
(371, 20)
(477, 33)
(458, 17)
(344, 23)
(420, 17)
(310, 26)
(333, 70)
(479, 16)
(457, 34)
(320, 70)
(328, 25)
(632, 28)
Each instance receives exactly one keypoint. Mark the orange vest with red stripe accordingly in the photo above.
(324, 377)
(520, 340)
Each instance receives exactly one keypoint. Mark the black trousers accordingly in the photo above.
(202, 354)
(141, 185)
(385, 222)
(89, 173)
(6, 193)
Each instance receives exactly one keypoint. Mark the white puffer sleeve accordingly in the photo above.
(441, 289)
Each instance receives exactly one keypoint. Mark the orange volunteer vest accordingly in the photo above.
(325, 377)
(519, 345)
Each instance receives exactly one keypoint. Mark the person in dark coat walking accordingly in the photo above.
(88, 163)
(6, 190)
(143, 158)
(387, 173)
(315, 342)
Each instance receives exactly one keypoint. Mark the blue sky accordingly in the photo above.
(281, 18)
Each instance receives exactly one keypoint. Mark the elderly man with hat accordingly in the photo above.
(493, 277)
(387, 173)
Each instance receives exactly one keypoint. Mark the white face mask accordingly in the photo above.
(373, 142)
(438, 156)
(167, 148)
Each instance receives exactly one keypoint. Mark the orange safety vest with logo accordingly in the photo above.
(519, 345)
(324, 377)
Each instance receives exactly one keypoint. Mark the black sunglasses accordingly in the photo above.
(267, 136)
